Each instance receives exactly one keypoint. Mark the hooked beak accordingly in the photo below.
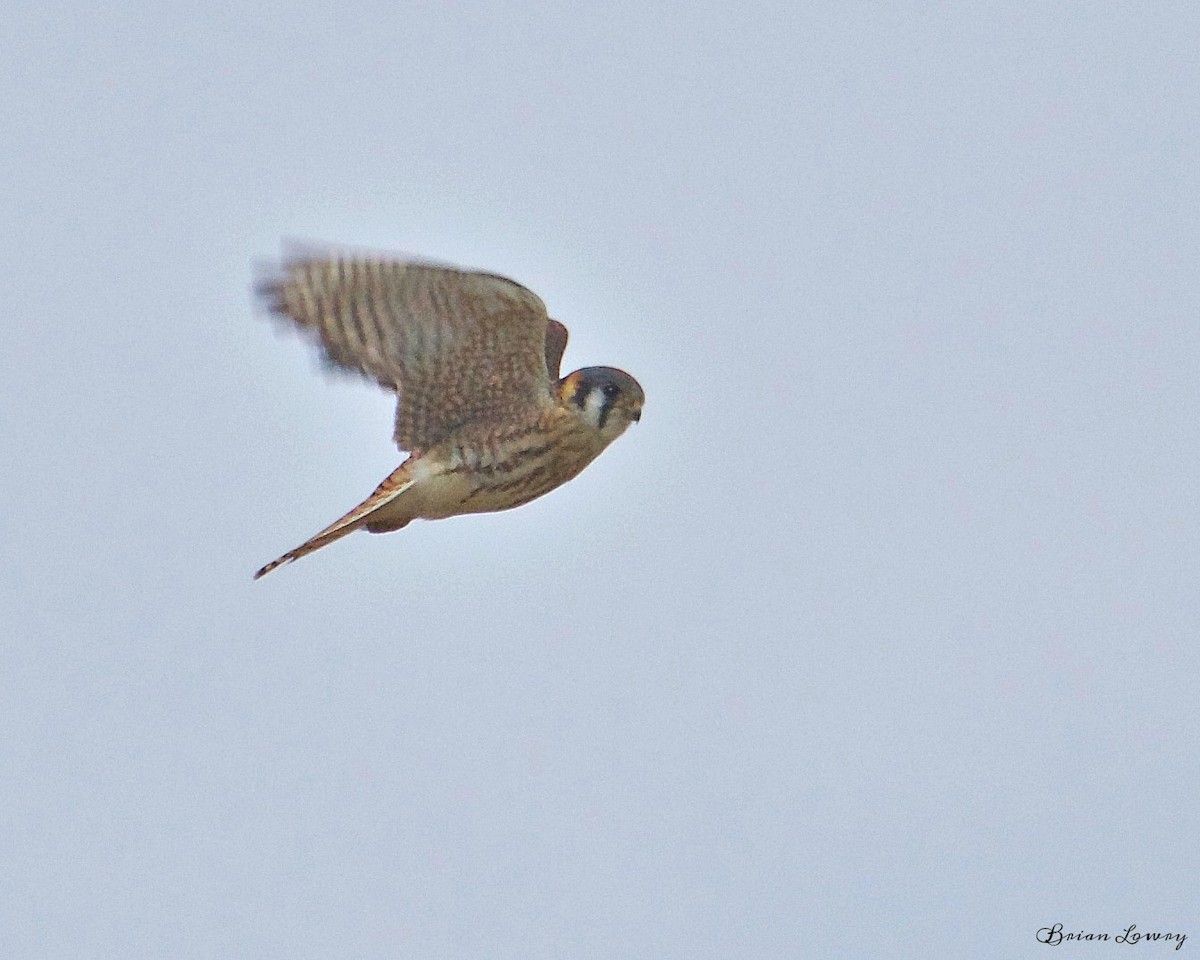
(637, 415)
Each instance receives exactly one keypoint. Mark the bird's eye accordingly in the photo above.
(610, 390)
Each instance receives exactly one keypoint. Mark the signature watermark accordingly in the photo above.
(1055, 936)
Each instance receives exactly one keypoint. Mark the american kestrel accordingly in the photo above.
(473, 359)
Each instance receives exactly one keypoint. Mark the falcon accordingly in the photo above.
(473, 359)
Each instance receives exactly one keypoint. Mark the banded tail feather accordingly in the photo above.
(395, 484)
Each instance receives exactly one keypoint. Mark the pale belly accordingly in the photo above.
(440, 494)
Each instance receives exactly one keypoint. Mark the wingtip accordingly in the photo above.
(269, 280)
(271, 275)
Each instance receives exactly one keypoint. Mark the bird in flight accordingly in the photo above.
(473, 359)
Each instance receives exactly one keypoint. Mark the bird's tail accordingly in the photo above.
(396, 483)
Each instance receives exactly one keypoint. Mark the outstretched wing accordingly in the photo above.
(455, 346)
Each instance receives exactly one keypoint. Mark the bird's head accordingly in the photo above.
(605, 398)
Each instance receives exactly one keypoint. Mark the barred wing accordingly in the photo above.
(455, 346)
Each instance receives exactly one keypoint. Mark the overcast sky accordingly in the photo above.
(878, 637)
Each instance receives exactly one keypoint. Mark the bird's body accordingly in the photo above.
(474, 360)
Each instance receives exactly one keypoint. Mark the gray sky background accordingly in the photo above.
(877, 636)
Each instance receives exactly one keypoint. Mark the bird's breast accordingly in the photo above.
(502, 472)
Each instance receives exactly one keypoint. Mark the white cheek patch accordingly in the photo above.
(594, 405)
